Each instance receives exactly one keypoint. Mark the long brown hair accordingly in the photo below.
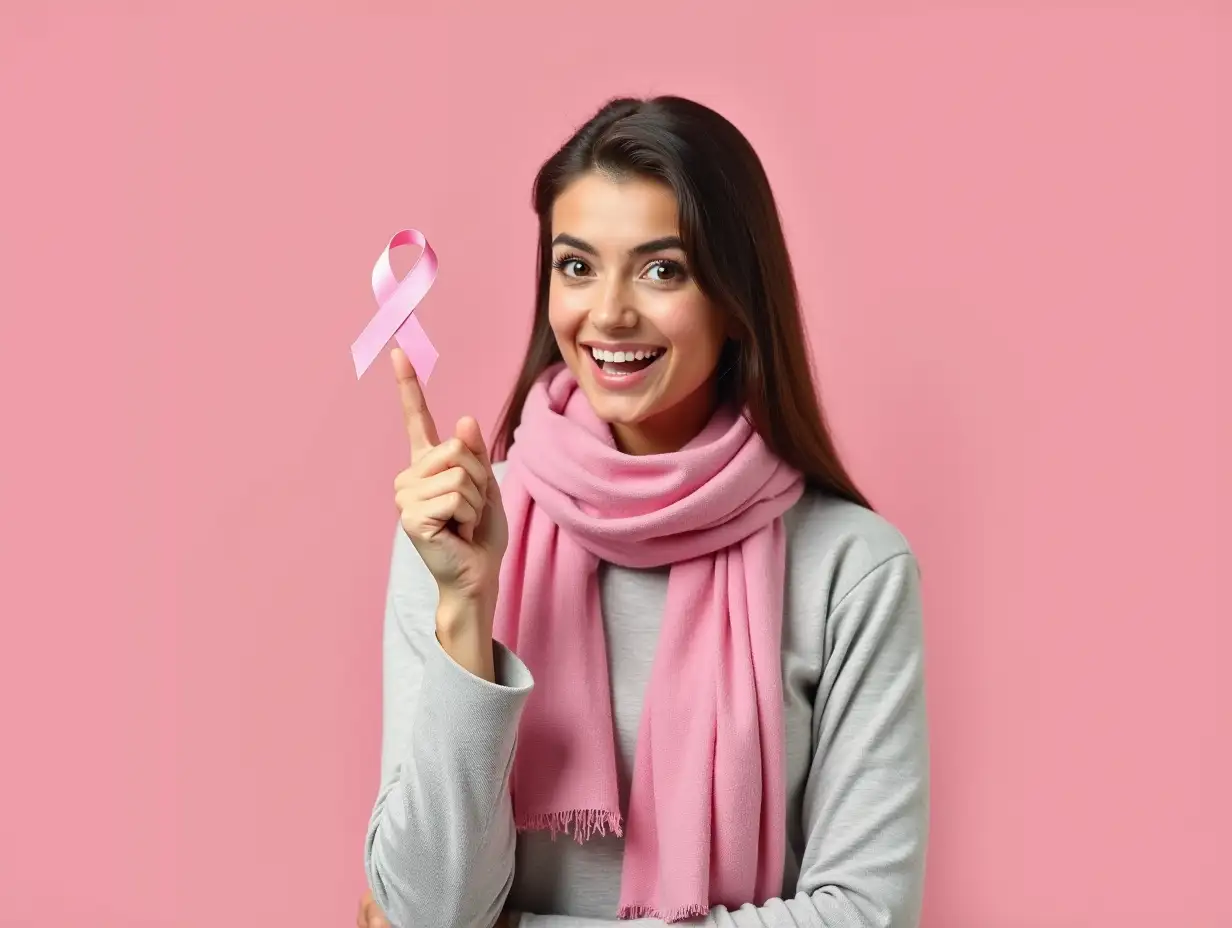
(730, 229)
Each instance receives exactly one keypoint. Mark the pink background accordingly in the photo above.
(1005, 227)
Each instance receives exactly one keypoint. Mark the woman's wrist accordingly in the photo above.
(464, 608)
(464, 629)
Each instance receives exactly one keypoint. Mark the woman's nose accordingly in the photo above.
(613, 309)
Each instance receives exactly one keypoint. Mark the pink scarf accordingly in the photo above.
(707, 805)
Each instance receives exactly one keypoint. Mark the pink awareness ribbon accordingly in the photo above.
(397, 301)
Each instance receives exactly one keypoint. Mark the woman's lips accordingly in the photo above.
(611, 380)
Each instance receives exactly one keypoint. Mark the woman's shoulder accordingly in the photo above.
(838, 543)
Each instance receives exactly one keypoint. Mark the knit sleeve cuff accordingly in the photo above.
(477, 717)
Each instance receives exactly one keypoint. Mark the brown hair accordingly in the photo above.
(730, 229)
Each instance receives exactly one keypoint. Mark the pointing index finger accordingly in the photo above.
(420, 428)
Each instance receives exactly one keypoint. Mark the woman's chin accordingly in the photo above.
(623, 411)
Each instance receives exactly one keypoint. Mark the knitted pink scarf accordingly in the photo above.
(707, 805)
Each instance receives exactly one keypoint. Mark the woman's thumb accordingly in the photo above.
(469, 432)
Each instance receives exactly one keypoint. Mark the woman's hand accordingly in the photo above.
(451, 509)
(448, 498)
(371, 916)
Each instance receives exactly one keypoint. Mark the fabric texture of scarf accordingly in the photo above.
(706, 818)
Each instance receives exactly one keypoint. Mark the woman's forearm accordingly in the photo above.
(464, 629)
(440, 841)
(441, 838)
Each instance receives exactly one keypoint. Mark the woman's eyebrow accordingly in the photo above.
(655, 244)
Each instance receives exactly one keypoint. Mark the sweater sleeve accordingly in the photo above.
(440, 841)
(866, 801)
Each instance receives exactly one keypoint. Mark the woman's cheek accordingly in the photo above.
(564, 322)
(684, 321)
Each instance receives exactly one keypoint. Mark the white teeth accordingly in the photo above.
(601, 355)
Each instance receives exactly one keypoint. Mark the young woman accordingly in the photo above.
(668, 629)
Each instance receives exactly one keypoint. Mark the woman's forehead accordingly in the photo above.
(615, 214)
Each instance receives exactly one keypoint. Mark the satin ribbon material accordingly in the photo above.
(397, 301)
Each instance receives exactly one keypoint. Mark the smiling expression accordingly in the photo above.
(631, 322)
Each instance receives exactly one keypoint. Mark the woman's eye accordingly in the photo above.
(572, 267)
(666, 271)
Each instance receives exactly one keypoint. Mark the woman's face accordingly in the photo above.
(632, 324)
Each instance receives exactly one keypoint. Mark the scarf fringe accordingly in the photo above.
(628, 912)
(584, 823)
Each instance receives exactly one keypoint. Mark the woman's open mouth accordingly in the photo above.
(624, 368)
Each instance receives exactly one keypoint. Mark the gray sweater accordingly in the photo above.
(442, 851)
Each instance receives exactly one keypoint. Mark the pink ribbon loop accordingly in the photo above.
(397, 301)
